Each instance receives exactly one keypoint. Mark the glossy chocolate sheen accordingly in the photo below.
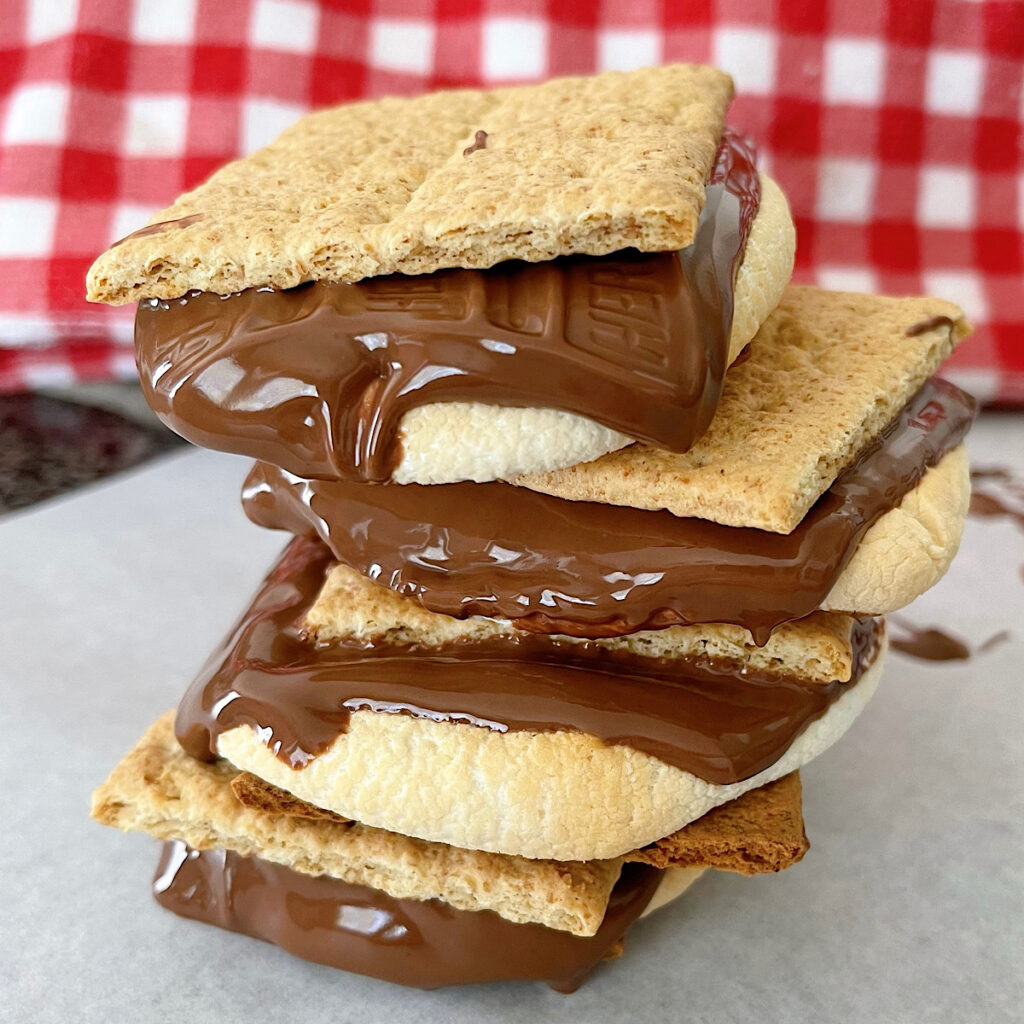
(587, 569)
(717, 722)
(422, 943)
(317, 378)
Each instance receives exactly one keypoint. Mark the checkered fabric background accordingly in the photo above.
(895, 128)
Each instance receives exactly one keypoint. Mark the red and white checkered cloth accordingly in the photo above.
(895, 128)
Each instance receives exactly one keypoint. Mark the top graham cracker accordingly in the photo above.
(574, 165)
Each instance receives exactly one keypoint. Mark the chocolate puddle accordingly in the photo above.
(593, 570)
(989, 504)
(317, 378)
(926, 643)
(929, 643)
(995, 640)
(721, 724)
(999, 473)
(422, 943)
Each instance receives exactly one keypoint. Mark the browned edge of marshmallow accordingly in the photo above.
(759, 832)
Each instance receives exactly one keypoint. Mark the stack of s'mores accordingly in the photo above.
(595, 521)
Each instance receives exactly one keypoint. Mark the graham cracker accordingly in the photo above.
(574, 165)
(352, 607)
(157, 788)
(252, 791)
(757, 833)
(760, 832)
(827, 372)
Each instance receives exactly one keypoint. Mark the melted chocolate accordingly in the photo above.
(587, 569)
(479, 142)
(923, 326)
(1006, 501)
(926, 643)
(317, 378)
(423, 943)
(994, 641)
(986, 505)
(160, 227)
(930, 643)
(720, 723)
(1000, 474)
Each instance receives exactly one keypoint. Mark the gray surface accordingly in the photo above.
(124, 397)
(908, 907)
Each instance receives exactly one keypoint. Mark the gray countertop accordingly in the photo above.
(909, 906)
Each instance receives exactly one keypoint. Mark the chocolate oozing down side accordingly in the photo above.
(317, 378)
(160, 227)
(719, 723)
(592, 570)
(422, 943)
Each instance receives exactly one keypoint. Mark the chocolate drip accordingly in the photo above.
(587, 569)
(317, 378)
(422, 943)
(479, 142)
(719, 723)
(159, 227)
(923, 326)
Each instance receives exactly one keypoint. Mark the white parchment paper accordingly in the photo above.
(909, 906)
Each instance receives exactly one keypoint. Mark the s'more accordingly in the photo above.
(595, 521)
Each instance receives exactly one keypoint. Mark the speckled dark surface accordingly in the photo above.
(49, 446)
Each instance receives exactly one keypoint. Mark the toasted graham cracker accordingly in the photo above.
(761, 831)
(159, 789)
(575, 165)
(826, 373)
(251, 791)
(352, 607)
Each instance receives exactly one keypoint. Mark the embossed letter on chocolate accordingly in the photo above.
(317, 378)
